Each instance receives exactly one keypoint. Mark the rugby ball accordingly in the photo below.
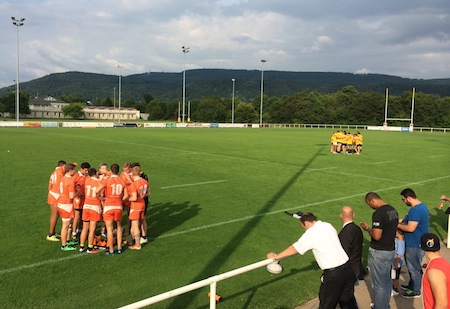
(274, 268)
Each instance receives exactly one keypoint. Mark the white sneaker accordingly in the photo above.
(394, 293)
(144, 240)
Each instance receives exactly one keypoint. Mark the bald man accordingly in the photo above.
(351, 238)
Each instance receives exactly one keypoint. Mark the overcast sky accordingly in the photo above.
(407, 38)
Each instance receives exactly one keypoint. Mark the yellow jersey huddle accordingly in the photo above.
(347, 143)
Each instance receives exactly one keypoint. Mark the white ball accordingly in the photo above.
(8, 150)
(274, 268)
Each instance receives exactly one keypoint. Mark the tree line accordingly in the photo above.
(346, 106)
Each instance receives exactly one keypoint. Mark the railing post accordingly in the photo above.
(212, 295)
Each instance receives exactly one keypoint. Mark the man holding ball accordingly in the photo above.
(338, 278)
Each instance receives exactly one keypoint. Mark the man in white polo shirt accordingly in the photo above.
(338, 278)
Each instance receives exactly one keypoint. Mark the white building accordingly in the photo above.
(49, 107)
(46, 107)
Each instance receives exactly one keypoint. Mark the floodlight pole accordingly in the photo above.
(185, 50)
(232, 102)
(120, 86)
(114, 113)
(262, 93)
(386, 109)
(411, 126)
(17, 22)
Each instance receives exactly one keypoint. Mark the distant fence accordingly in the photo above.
(90, 124)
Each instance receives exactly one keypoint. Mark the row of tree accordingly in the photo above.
(346, 106)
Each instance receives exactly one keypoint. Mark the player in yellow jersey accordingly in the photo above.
(358, 140)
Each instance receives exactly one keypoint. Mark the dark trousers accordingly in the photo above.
(338, 285)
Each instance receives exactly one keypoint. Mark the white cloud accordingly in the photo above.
(346, 36)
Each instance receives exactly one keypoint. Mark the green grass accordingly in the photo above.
(217, 203)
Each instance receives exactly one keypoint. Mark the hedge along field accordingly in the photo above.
(217, 203)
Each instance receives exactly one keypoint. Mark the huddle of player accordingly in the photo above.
(88, 197)
(345, 142)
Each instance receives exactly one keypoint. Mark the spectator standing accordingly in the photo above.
(337, 281)
(399, 258)
(351, 239)
(414, 225)
(436, 279)
(381, 255)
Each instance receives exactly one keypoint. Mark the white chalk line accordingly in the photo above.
(383, 162)
(10, 270)
(193, 184)
(361, 175)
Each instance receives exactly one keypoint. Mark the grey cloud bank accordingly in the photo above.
(404, 38)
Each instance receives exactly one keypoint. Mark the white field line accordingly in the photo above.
(10, 270)
(69, 257)
(361, 175)
(384, 162)
(437, 156)
(192, 184)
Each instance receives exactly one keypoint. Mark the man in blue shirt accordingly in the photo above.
(414, 225)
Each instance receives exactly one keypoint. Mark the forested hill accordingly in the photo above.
(218, 83)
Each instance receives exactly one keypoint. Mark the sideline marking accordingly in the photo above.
(10, 270)
(193, 184)
(361, 175)
(384, 162)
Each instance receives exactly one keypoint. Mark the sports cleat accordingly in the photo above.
(394, 292)
(410, 294)
(52, 238)
(119, 251)
(404, 287)
(67, 248)
(82, 249)
(144, 240)
(135, 247)
(92, 250)
(109, 253)
(72, 242)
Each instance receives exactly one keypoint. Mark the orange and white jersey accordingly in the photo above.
(127, 178)
(114, 188)
(79, 179)
(141, 187)
(90, 191)
(66, 187)
(54, 180)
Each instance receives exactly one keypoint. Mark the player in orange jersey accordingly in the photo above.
(92, 210)
(52, 198)
(137, 192)
(78, 201)
(103, 173)
(144, 238)
(127, 178)
(114, 193)
(65, 205)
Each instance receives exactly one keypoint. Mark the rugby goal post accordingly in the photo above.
(411, 120)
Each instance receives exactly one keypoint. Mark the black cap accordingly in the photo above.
(430, 242)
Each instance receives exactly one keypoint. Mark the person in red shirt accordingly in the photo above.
(65, 205)
(436, 278)
(114, 194)
(138, 190)
(78, 201)
(52, 198)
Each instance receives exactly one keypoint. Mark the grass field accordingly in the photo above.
(217, 203)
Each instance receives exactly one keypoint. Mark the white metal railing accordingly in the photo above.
(211, 281)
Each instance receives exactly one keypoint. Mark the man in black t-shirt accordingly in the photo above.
(382, 248)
